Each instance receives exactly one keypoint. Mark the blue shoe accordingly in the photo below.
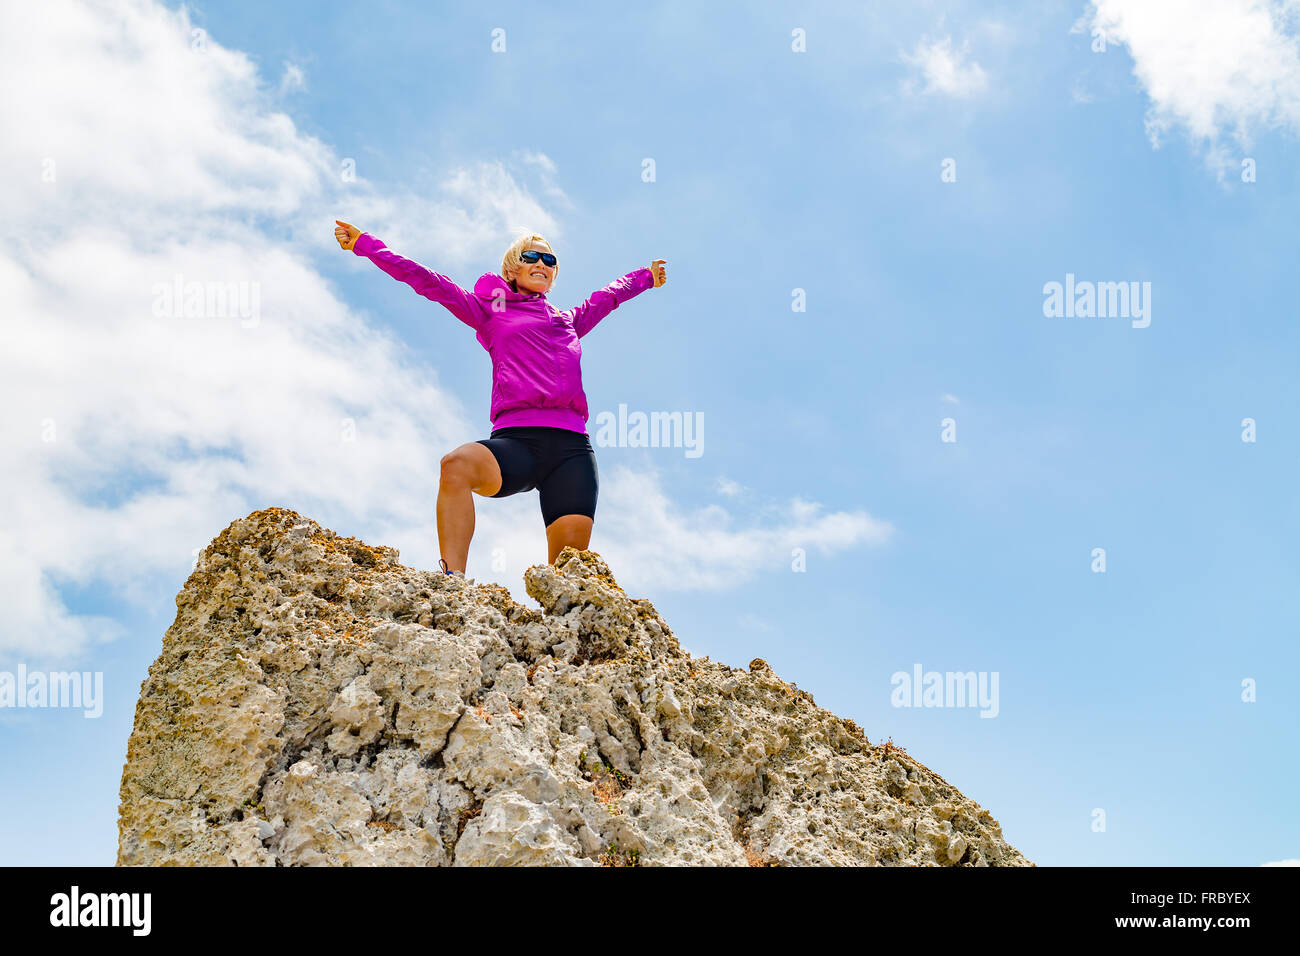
(442, 563)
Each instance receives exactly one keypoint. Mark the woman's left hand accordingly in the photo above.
(657, 270)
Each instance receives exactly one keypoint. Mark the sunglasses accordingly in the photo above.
(532, 255)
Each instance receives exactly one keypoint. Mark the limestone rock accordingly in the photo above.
(317, 703)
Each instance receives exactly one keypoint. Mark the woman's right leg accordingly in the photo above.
(469, 470)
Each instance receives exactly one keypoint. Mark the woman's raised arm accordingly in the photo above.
(426, 282)
(604, 301)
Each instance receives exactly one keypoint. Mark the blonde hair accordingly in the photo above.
(511, 262)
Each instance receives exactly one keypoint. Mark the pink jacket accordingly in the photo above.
(536, 355)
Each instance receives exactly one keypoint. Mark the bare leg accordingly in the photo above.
(470, 469)
(568, 530)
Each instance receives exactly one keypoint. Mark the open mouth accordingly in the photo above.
(540, 275)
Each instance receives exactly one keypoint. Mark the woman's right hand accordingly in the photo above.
(346, 233)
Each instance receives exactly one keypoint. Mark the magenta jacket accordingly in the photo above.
(536, 355)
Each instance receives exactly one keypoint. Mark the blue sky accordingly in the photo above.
(775, 170)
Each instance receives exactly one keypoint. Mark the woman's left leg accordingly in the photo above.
(568, 496)
(573, 531)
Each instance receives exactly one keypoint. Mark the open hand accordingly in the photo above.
(346, 233)
(657, 269)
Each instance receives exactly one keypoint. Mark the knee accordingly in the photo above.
(456, 470)
(572, 531)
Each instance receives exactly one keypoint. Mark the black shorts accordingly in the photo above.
(560, 463)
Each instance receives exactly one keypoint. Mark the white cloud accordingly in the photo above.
(945, 69)
(658, 544)
(540, 160)
(133, 438)
(951, 399)
(547, 174)
(1283, 863)
(292, 79)
(728, 487)
(1212, 67)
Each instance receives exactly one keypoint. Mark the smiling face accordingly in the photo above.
(535, 276)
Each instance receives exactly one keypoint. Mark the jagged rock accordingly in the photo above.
(316, 702)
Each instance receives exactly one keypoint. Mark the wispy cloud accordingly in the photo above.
(942, 68)
(752, 622)
(292, 79)
(729, 488)
(661, 544)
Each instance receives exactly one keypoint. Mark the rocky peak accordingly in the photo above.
(316, 702)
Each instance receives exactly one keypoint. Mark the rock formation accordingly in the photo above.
(316, 702)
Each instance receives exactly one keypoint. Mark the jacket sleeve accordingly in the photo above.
(606, 300)
(428, 283)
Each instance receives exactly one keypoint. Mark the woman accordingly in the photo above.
(539, 411)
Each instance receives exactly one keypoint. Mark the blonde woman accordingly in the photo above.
(539, 411)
